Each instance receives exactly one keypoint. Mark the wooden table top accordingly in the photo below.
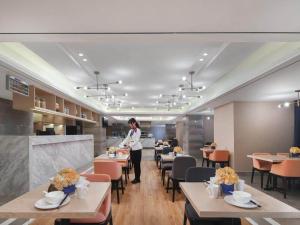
(271, 158)
(197, 194)
(23, 206)
(170, 157)
(123, 157)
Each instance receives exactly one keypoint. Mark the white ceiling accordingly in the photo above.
(74, 16)
(150, 65)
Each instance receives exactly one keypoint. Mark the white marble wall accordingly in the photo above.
(14, 164)
(29, 161)
(49, 154)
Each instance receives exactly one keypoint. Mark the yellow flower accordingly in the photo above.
(177, 149)
(294, 150)
(226, 175)
(65, 178)
(112, 149)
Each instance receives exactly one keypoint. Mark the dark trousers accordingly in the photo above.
(136, 157)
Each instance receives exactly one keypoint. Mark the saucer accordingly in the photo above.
(42, 204)
(230, 200)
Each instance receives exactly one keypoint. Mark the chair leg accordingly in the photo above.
(118, 196)
(122, 186)
(163, 173)
(168, 183)
(284, 179)
(269, 181)
(203, 162)
(174, 184)
(261, 179)
(184, 219)
(207, 163)
(252, 176)
(111, 220)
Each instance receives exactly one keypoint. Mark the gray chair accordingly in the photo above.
(164, 168)
(180, 166)
(200, 174)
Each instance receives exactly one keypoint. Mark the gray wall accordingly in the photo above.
(14, 122)
(193, 132)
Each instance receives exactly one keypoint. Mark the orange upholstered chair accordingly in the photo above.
(288, 169)
(114, 170)
(261, 166)
(103, 216)
(219, 156)
(125, 166)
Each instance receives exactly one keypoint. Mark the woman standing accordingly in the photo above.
(133, 142)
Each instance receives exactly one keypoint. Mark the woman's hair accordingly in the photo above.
(132, 120)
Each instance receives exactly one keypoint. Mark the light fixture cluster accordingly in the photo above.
(190, 84)
(288, 104)
(284, 105)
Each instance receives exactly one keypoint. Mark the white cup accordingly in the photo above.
(54, 197)
(212, 180)
(213, 190)
(82, 191)
(240, 186)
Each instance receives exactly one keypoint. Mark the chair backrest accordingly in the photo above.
(199, 174)
(180, 166)
(219, 155)
(123, 151)
(288, 168)
(111, 168)
(166, 150)
(258, 164)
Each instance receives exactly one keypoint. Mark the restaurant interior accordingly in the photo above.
(215, 95)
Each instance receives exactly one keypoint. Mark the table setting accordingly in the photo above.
(67, 184)
(227, 185)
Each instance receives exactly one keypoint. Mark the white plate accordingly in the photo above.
(42, 204)
(230, 200)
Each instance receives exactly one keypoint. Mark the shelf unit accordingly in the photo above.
(46, 103)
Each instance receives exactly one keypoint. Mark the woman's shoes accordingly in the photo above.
(135, 181)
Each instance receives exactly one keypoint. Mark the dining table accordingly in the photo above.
(23, 206)
(118, 157)
(272, 158)
(197, 195)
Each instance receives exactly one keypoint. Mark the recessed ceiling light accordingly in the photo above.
(80, 54)
(132, 107)
(120, 82)
(108, 88)
(184, 78)
(286, 104)
(205, 54)
(208, 118)
(157, 102)
(160, 95)
(183, 96)
(85, 87)
(126, 94)
(180, 89)
(174, 103)
(112, 96)
(201, 60)
(84, 60)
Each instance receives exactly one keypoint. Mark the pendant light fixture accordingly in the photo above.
(190, 83)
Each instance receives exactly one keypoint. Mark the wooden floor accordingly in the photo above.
(148, 203)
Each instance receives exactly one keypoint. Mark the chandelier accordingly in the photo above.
(190, 84)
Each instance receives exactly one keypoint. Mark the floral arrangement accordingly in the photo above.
(226, 175)
(113, 149)
(177, 149)
(295, 150)
(65, 178)
(165, 143)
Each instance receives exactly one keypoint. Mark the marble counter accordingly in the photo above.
(29, 161)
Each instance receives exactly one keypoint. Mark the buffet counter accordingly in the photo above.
(29, 161)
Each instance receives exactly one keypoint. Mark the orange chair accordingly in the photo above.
(261, 166)
(288, 169)
(126, 165)
(104, 216)
(219, 156)
(114, 170)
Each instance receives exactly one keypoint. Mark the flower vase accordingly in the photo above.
(70, 189)
(295, 155)
(227, 189)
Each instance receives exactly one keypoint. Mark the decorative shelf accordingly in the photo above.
(40, 101)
